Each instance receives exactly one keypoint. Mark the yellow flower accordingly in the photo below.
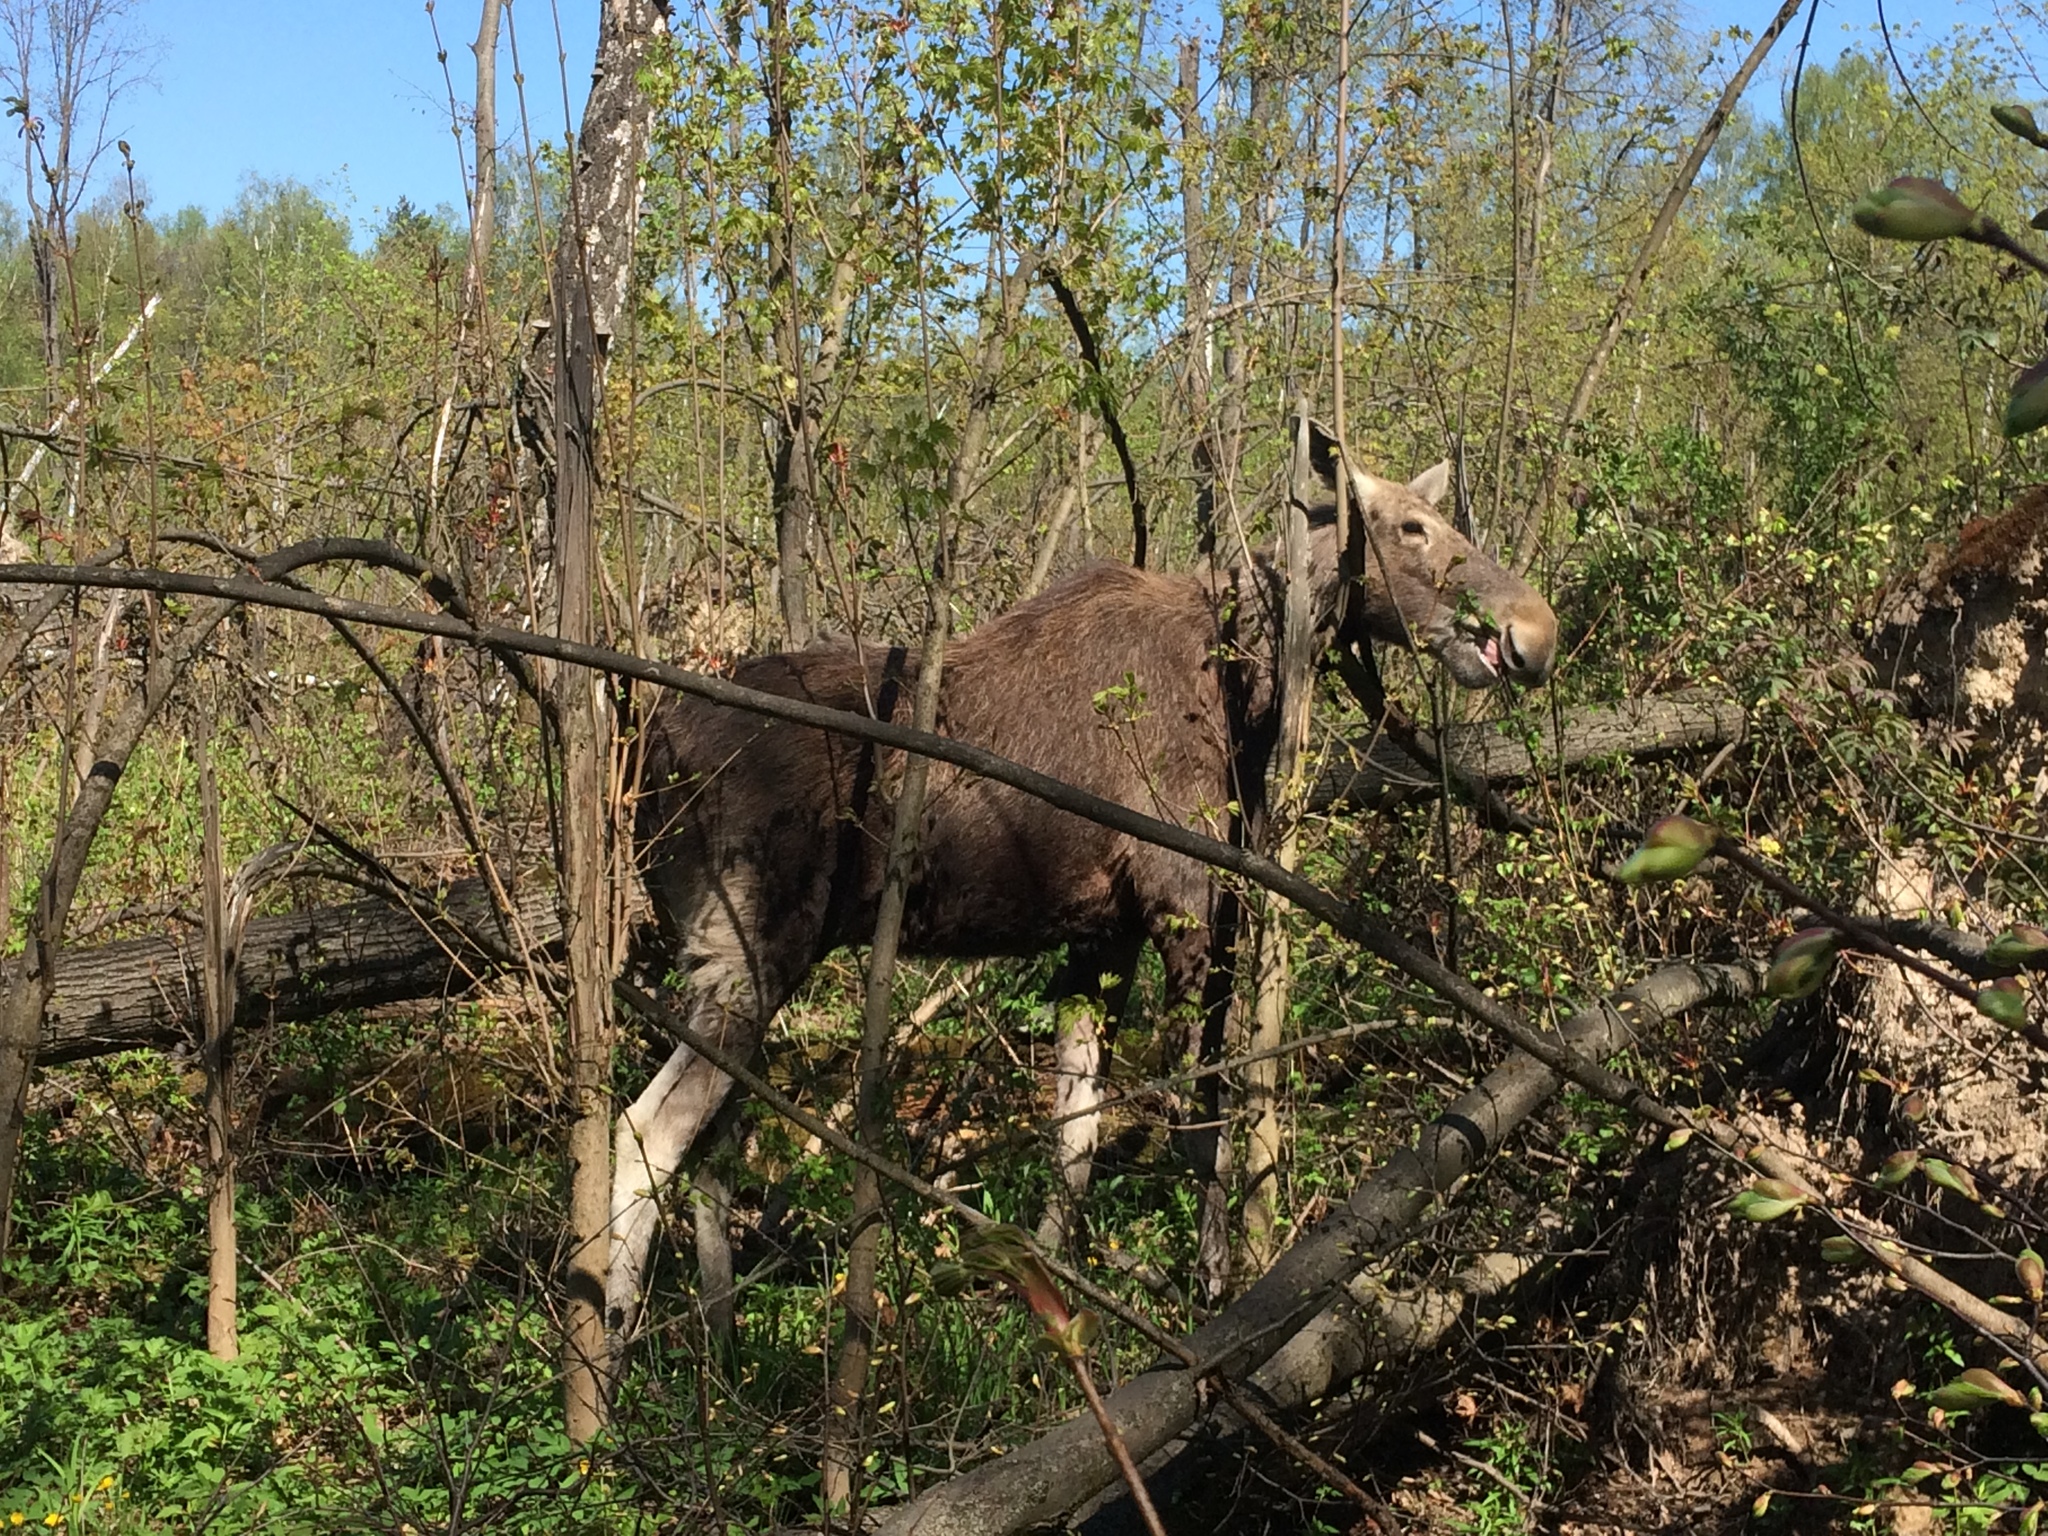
(53, 1519)
(107, 1481)
(17, 1518)
(1769, 846)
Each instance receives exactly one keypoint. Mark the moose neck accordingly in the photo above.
(1257, 582)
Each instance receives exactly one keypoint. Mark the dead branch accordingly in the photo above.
(1377, 773)
(1042, 1480)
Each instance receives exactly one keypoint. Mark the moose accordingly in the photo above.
(763, 844)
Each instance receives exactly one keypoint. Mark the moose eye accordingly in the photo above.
(1413, 528)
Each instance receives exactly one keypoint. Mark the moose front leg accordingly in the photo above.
(656, 1135)
(1089, 994)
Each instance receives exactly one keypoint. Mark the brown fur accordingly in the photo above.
(998, 871)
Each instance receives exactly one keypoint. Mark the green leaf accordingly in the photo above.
(1975, 1388)
(1896, 1169)
(1842, 1250)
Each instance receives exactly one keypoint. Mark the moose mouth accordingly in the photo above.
(1473, 657)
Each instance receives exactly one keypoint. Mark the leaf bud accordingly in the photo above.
(2026, 408)
(1802, 963)
(2020, 945)
(2033, 1274)
(2019, 122)
(1949, 1176)
(1671, 850)
(2004, 1003)
(1914, 209)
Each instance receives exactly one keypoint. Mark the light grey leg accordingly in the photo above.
(1076, 1100)
(711, 1207)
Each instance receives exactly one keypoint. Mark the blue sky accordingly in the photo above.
(348, 97)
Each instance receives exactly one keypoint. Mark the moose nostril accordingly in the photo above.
(1526, 666)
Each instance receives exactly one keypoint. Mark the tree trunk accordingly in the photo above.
(483, 216)
(1517, 269)
(591, 280)
(582, 725)
(1528, 535)
(1296, 685)
(1073, 496)
(795, 466)
(1261, 197)
(1376, 774)
(43, 275)
(1195, 242)
(873, 1106)
(301, 965)
(218, 975)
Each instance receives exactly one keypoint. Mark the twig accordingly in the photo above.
(1855, 928)
(1117, 1448)
(64, 416)
(1084, 338)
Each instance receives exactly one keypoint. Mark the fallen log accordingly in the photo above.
(1378, 773)
(1042, 1480)
(300, 965)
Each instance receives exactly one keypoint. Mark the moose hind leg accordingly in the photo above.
(711, 1213)
(711, 1223)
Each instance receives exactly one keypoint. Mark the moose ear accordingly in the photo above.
(1431, 484)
